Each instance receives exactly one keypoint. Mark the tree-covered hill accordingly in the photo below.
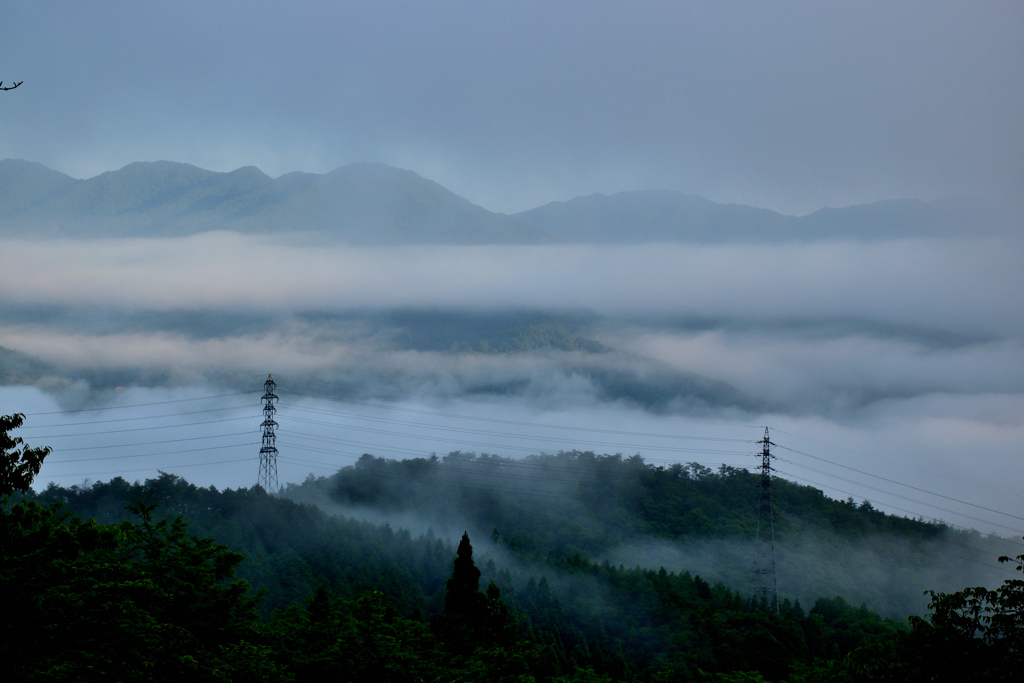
(634, 513)
(623, 623)
(358, 601)
(163, 580)
(543, 511)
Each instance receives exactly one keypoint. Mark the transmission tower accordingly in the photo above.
(268, 452)
(763, 581)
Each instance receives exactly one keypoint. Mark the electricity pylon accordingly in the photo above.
(268, 452)
(763, 581)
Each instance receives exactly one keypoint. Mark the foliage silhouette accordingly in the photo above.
(18, 467)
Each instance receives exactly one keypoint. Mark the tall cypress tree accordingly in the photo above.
(471, 619)
(464, 600)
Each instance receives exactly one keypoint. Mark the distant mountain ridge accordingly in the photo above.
(377, 205)
(669, 216)
(362, 204)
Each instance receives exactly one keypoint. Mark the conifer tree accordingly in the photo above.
(463, 599)
(472, 619)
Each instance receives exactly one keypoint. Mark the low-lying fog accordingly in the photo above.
(901, 359)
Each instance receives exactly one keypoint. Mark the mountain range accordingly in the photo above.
(370, 204)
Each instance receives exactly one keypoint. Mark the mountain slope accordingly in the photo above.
(668, 216)
(650, 216)
(369, 204)
(24, 184)
(361, 204)
(378, 204)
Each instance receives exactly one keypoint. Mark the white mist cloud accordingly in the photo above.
(821, 328)
(966, 287)
(907, 353)
(838, 371)
(168, 351)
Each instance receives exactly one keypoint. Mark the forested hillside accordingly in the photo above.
(541, 512)
(630, 512)
(141, 581)
(323, 591)
(572, 614)
(361, 601)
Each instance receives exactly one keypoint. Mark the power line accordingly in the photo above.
(150, 443)
(915, 515)
(141, 429)
(909, 486)
(150, 469)
(449, 429)
(958, 479)
(912, 500)
(138, 405)
(144, 417)
(485, 432)
(150, 455)
(517, 448)
(517, 423)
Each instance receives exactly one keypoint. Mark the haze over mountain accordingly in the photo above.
(668, 216)
(378, 205)
(357, 204)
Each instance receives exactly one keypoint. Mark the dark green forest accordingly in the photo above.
(684, 517)
(163, 580)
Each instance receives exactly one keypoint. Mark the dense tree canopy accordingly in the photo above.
(109, 582)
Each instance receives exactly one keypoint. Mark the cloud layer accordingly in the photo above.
(959, 287)
(909, 352)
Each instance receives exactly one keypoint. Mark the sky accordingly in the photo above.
(904, 357)
(790, 106)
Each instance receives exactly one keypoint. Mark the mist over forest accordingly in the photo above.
(510, 342)
(834, 338)
(683, 517)
(891, 327)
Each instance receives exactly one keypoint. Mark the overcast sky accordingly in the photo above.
(790, 106)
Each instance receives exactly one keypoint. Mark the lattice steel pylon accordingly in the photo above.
(763, 580)
(268, 452)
